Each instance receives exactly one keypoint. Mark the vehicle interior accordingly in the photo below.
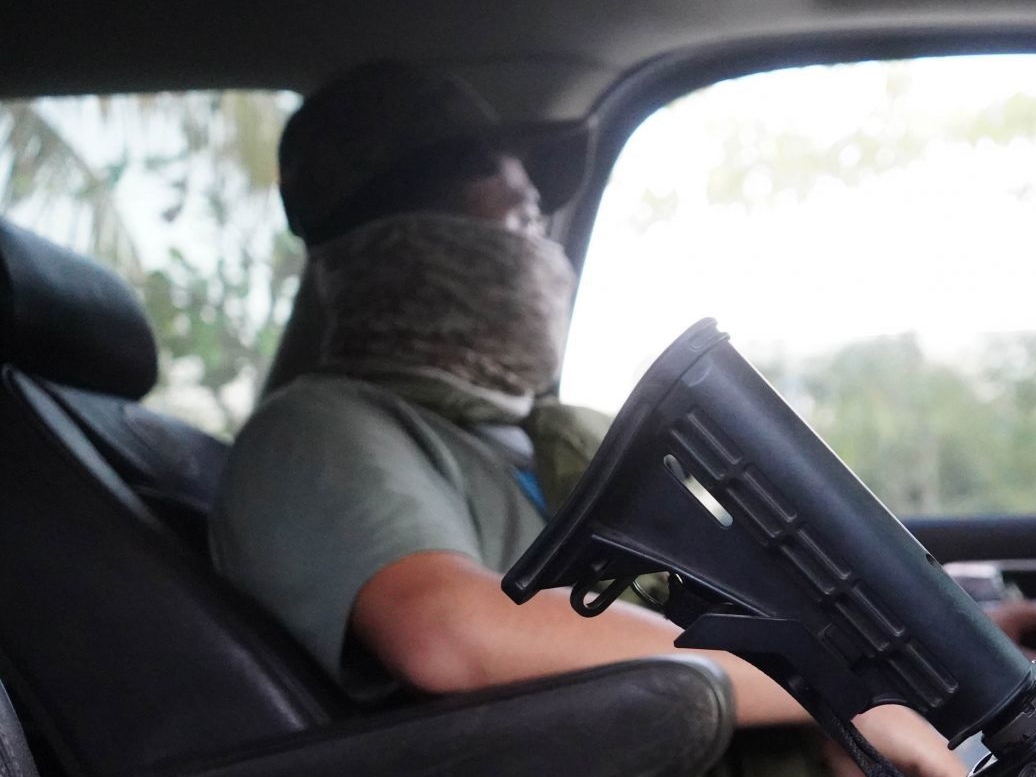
(128, 365)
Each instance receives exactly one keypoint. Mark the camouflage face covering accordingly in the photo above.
(450, 294)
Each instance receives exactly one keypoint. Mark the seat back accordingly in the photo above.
(122, 644)
(173, 467)
(15, 758)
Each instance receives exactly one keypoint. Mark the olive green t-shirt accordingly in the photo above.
(333, 479)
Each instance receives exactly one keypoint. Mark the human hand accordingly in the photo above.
(905, 738)
(1018, 621)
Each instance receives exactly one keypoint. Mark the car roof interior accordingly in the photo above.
(541, 58)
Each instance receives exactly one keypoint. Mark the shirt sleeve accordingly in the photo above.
(322, 492)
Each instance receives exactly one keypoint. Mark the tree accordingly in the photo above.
(208, 252)
(926, 437)
(765, 160)
(915, 431)
(42, 171)
(734, 161)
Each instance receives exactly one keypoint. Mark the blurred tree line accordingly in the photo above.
(926, 436)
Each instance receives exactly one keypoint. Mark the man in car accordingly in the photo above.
(374, 503)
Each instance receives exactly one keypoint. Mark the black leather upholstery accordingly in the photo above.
(633, 719)
(130, 656)
(103, 610)
(104, 606)
(173, 467)
(15, 758)
(71, 319)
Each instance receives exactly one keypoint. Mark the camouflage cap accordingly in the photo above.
(359, 126)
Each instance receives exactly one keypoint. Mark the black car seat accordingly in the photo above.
(15, 758)
(127, 653)
(115, 634)
(173, 467)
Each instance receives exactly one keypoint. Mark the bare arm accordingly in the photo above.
(440, 621)
(1018, 621)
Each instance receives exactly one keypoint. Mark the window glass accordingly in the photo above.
(178, 193)
(863, 232)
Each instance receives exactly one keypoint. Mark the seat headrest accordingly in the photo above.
(70, 319)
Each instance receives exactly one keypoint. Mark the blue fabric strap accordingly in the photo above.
(530, 486)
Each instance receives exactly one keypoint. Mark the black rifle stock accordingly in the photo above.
(778, 553)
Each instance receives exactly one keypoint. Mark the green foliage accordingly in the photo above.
(764, 159)
(219, 299)
(927, 437)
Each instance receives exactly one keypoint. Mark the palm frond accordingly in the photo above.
(45, 172)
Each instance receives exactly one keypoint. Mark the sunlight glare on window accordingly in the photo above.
(859, 227)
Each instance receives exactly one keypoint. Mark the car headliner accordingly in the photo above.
(535, 58)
